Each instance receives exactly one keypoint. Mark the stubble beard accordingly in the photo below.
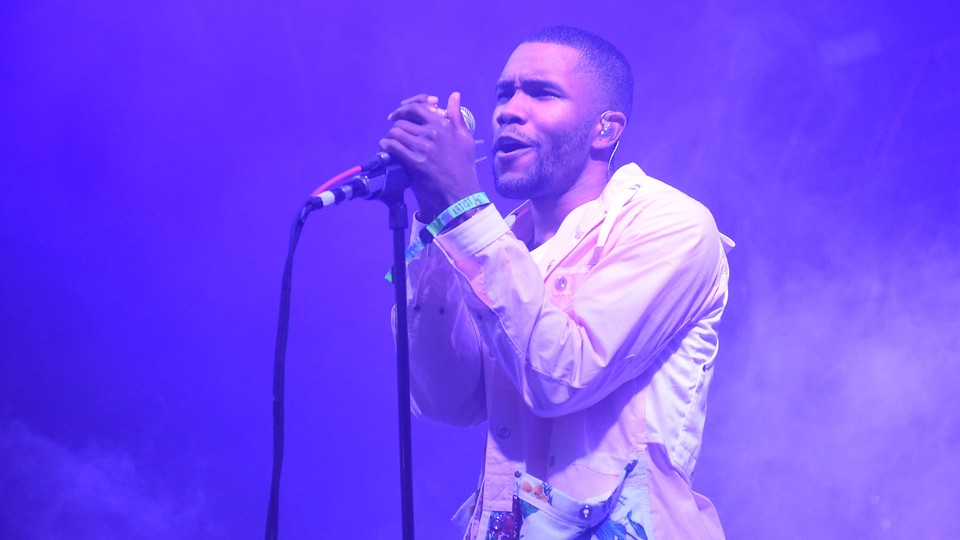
(555, 170)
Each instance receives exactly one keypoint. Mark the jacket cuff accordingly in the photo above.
(474, 234)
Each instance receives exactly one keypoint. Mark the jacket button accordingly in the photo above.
(503, 431)
(561, 283)
(551, 461)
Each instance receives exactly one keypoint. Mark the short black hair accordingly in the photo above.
(614, 79)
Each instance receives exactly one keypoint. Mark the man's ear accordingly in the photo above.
(609, 129)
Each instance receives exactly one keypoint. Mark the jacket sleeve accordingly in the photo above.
(446, 367)
(658, 275)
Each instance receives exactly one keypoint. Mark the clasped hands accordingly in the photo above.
(435, 149)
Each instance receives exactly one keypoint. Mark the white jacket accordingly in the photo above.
(600, 354)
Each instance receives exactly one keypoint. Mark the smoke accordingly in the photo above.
(51, 491)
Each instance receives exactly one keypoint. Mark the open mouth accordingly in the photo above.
(506, 144)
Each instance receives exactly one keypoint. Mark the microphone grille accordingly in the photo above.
(468, 119)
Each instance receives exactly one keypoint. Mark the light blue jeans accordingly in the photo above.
(542, 512)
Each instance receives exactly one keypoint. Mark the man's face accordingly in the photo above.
(542, 122)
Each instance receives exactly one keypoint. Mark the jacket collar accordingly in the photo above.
(602, 212)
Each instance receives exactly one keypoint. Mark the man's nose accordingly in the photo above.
(513, 111)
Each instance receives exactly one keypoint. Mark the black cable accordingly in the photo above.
(390, 191)
(283, 326)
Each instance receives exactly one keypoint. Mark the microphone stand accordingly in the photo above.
(386, 183)
(392, 196)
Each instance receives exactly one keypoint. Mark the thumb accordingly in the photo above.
(453, 112)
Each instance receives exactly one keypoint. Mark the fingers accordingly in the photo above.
(424, 109)
(418, 112)
(399, 151)
(422, 131)
(453, 111)
(432, 103)
(424, 98)
(406, 140)
(413, 107)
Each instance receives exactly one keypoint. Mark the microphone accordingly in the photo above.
(383, 159)
(380, 176)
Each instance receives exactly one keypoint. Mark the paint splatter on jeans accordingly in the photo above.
(542, 512)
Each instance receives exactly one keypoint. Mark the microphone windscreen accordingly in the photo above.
(468, 119)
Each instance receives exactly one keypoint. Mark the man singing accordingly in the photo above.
(583, 326)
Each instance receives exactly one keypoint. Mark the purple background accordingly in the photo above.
(153, 156)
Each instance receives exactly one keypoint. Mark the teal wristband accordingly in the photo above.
(456, 210)
(441, 222)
